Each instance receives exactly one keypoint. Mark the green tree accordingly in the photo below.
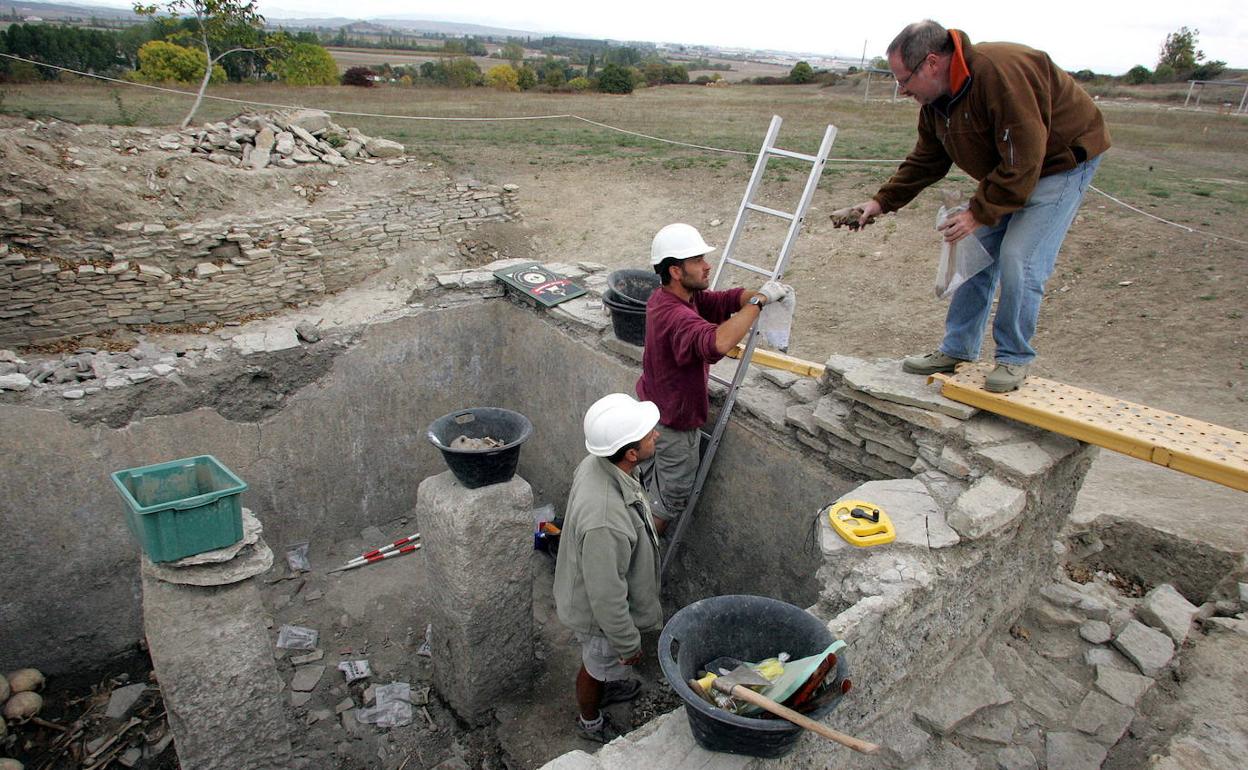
(1137, 75)
(513, 52)
(614, 79)
(306, 64)
(1180, 52)
(526, 78)
(359, 76)
(503, 77)
(801, 73)
(462, 72)
(163, 62)
(580, 83)
(212, 20)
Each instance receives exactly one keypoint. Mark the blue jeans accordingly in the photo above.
(1023, 247)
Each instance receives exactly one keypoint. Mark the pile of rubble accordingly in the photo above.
(89, 370)
(258, 140)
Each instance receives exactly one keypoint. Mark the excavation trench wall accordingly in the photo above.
(348, 450)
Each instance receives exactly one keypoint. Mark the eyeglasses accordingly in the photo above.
(905, 82)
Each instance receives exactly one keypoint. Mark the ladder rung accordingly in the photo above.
(794, 155)
(773, 212)
(716, 378)
(748, 266)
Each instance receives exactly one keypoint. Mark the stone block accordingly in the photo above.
(994, 725)
(1165, 609)
(969, 687)
(476, 545)
(1123, 686)
(1072, 751)
(923, 418)
(781, 378)
(832, 415)
(1025, 460)
(214, 659)
(805, 390)
(584, 310)
(1015, 758)
(802, 416)
(1150, 650)
(987, 507)
(886, 381)
(1095, 631)
(10, 208)
(765, 403)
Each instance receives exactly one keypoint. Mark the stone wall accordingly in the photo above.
(55, 284)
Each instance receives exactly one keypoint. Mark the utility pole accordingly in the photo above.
(863, 61)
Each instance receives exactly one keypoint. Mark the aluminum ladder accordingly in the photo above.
(795, 219)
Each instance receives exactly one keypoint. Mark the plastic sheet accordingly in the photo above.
(960, 261)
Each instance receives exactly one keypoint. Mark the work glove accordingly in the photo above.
(850, 217)
(775, 291)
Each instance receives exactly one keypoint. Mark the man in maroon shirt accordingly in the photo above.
(688, 328)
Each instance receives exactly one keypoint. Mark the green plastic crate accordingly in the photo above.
(183, 507)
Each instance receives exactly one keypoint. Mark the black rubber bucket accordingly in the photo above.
(628, 320)
(481, 467)
(750, 628)
(633, 286)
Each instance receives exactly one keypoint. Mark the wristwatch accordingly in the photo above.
(758, 300)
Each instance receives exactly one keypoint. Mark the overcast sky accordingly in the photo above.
(1107, 37)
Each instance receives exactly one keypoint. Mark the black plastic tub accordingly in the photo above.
(481, 467)
(750, 628)
(628, 320)
(633, 286)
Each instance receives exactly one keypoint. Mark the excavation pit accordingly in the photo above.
(322, 433)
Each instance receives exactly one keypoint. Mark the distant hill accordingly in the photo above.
(65, 11)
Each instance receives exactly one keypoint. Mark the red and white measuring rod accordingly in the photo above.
(397, 548)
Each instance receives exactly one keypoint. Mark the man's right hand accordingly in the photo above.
(774, 291)
(632, 660)
(857, 217)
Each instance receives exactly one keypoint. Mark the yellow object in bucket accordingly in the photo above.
(861, 523)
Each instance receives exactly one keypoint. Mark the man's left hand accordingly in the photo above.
(632, 660)
(958, 226)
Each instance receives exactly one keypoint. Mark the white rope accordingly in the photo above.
(279, 106)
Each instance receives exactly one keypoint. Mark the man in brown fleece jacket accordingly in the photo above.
(1032, 137)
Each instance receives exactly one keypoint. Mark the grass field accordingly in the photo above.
(1188, 166)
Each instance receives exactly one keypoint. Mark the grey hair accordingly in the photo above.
(918, 40)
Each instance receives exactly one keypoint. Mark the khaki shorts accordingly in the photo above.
(669, 476)
(601, 660)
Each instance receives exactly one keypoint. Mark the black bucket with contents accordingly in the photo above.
(748, 628)
(633, 286)
(490, 448)
(628, 320)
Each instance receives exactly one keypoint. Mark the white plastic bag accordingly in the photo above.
(775, 321)
(960, 261)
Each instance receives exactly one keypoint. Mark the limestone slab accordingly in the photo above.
(995, 725)
(1165, 609)
(969, 687)
(1103, 718)
(1095, 631)
(584, 310)
(1123, 686)
(1025, 459)
(765, 403)
(923, 418)
(987, 507)
(306, 678)
(1149, 649)
(1072, 751)
(886, 381)
(1015, 758)
(832, 415)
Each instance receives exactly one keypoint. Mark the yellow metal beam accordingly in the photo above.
(1190, 446)
(773, 360)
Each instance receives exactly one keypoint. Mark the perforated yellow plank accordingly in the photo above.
(1190, 446)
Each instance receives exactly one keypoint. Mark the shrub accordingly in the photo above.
(1208, 70)
(307, 64)
(358, 76)
(580, 83)
(1164, 74)
(1138, 75)
(801, 73)
(503, 77)
(614, 79)
(163, 62)
(526, 78)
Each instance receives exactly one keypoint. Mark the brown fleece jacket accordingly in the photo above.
(1017, 117)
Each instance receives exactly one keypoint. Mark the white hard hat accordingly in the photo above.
(616, 420)
(677, 241)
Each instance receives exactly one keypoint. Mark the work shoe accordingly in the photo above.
(619, 691)
(1005, 377)
(930, 363)
(603, 733)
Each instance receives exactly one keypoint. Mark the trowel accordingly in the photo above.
(738, 682)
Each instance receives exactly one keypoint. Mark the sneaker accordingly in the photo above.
(619, 691)
(1005, 377)
(605, 732)
(930, 363)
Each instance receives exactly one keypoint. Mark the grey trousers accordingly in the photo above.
(668, 476)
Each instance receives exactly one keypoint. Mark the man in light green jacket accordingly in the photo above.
(607, 572)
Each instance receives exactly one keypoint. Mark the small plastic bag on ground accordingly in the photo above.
(354, 670)
(960, 261)
(297, 638)
(393, 707)
(297, 557)
(775, 321)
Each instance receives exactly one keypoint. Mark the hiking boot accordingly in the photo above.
(930, 363)
(603, 733)
(1005, 377)
(619, 691)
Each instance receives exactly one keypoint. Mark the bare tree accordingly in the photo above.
(214, 20)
